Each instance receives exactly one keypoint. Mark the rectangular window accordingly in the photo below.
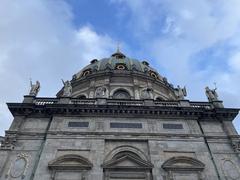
(78, 124)
(172, 126)
(125, 125)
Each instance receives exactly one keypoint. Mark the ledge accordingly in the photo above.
(123, 108)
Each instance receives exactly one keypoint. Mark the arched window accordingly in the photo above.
(121, 94)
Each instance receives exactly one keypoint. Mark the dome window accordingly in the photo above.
(93, 61)
(121, 66)
(86, 72)
(145, 63)
(153, 74)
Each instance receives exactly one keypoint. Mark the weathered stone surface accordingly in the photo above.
(139, 136)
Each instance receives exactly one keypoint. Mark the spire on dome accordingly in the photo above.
(118, 54)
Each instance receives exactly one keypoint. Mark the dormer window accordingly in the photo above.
(145, 63)
(121, 66)
(94, 61)
(86, 72)
(153, 74)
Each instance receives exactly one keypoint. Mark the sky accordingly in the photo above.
(192, 43)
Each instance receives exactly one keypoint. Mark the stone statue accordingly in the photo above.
(180, 92)
(146, 93)
(101, 92)
(211, 94)
(35, 88)
(67, 89)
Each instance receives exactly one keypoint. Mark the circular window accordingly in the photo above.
(153, 74)
(120, 67)
(85, 73)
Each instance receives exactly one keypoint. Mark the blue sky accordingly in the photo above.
(192, 43)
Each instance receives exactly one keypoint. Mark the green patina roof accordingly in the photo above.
(117, 58)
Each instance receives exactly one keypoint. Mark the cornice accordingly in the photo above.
(45, 110)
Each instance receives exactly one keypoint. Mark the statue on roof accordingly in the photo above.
(35, 88)
(211, 94)
(180, 92)
(67, 89)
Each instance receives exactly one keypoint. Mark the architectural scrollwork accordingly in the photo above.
(230, 169)
(236, 146)
(9, 142)
(19, 166)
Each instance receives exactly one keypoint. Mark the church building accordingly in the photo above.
(119, 119)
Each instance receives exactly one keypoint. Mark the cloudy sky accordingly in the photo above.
(192, 43)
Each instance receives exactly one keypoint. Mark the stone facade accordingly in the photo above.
(142, 132)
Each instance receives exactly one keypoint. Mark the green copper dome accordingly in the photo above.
(118, 61)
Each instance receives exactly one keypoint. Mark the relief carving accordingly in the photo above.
(146, 93)
(9, 142)
(230, 170)
(101, 92)
(19, 166)
(236, 146)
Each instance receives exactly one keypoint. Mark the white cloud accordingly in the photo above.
(180, 30)
(38, 40)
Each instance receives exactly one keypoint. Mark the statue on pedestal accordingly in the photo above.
(180, 92)
(67, 89)
(211, 94)
(101, 92)
(35, 88)
(146, 93)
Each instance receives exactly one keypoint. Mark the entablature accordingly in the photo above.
(122, 108)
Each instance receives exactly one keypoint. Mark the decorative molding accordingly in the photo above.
(126, 164)
(9, 142)
(236, 146)
(13, 172)
(183, 163)
(229, 168)
(125, 148)
(70, 162)
(130, 108)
